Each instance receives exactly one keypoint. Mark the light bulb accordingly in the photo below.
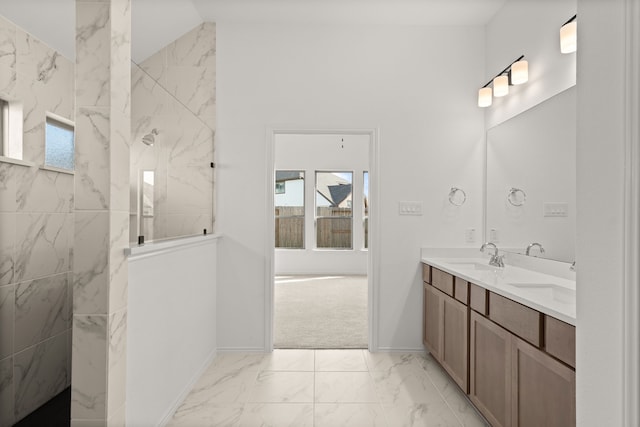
(569, 37)
(500, 86)
(519, 72)
(485, 97)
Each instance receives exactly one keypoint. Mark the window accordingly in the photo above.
(11, 129)
(334, 215)
(366, 208)
(289, 213)
(4, 128)
(59, 144)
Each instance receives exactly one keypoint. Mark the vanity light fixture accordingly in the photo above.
(514, 74)
(501, 86)
(519, 72)
(485, 97)
(569, 35)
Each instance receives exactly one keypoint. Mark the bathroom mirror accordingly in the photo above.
(531, 180)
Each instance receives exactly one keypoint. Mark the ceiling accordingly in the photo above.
(155, 23)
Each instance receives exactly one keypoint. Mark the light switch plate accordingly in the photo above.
(556, 209)
(410, 208)
(494, 236)
(470, 235)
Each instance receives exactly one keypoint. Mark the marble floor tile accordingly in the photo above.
(289, 360)
(230, 362)
(436, 373)
(386, 361)
(208, 415)
(281, 387)
(277, 415)
(325, 388)
(351, 387)
(340, 360)
(434, 414)
(462, 407)
(349, 415)
(229, 387)
(405, 385)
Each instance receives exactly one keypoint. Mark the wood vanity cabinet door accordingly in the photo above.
(432, 328)
(455, 348)
(442, 280)
(544, 390)
(490, 370)
(560, 340)
(426, 273)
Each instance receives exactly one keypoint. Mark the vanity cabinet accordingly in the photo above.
(433, 322)
(446, 327)
(543, 389)
(516, 364)
(490, 361)
(455, 346)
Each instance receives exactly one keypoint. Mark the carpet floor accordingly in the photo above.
(320, 312)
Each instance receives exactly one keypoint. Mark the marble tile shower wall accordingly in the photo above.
(36, 233)
(173, 91)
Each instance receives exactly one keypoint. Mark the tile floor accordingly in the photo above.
(325, 388)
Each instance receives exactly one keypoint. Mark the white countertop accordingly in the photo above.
(550, 294)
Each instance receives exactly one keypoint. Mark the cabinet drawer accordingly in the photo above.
(560, 340)
(442, 281)
(478, 298)
(520, 320)
(461, 291)
(426, 273)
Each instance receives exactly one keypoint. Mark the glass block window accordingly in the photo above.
(59, 145)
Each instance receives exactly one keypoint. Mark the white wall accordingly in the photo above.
(330, 153)
(413, 83)
(600, 237)
(171, 326)
(529, 28)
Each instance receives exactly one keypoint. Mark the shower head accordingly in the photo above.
(150, 138)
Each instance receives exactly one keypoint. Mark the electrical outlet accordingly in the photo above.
(470, 235)
(410, 208)
(494, 236)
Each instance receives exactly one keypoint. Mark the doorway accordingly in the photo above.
(322, 288)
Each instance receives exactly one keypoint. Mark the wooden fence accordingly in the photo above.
(333, 227)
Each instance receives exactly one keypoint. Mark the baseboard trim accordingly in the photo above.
(242, 350)
(187, 389)
(400, 350)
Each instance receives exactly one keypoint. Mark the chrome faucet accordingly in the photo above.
(495, 260)
(532, 245)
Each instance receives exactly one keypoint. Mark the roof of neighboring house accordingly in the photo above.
(339, 193)
(288, 175)
(333, 188)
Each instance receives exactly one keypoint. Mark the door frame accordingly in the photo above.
(373, 255)
(631, 328)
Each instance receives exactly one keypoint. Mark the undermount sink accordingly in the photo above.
(467, 265)
(548, 290)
